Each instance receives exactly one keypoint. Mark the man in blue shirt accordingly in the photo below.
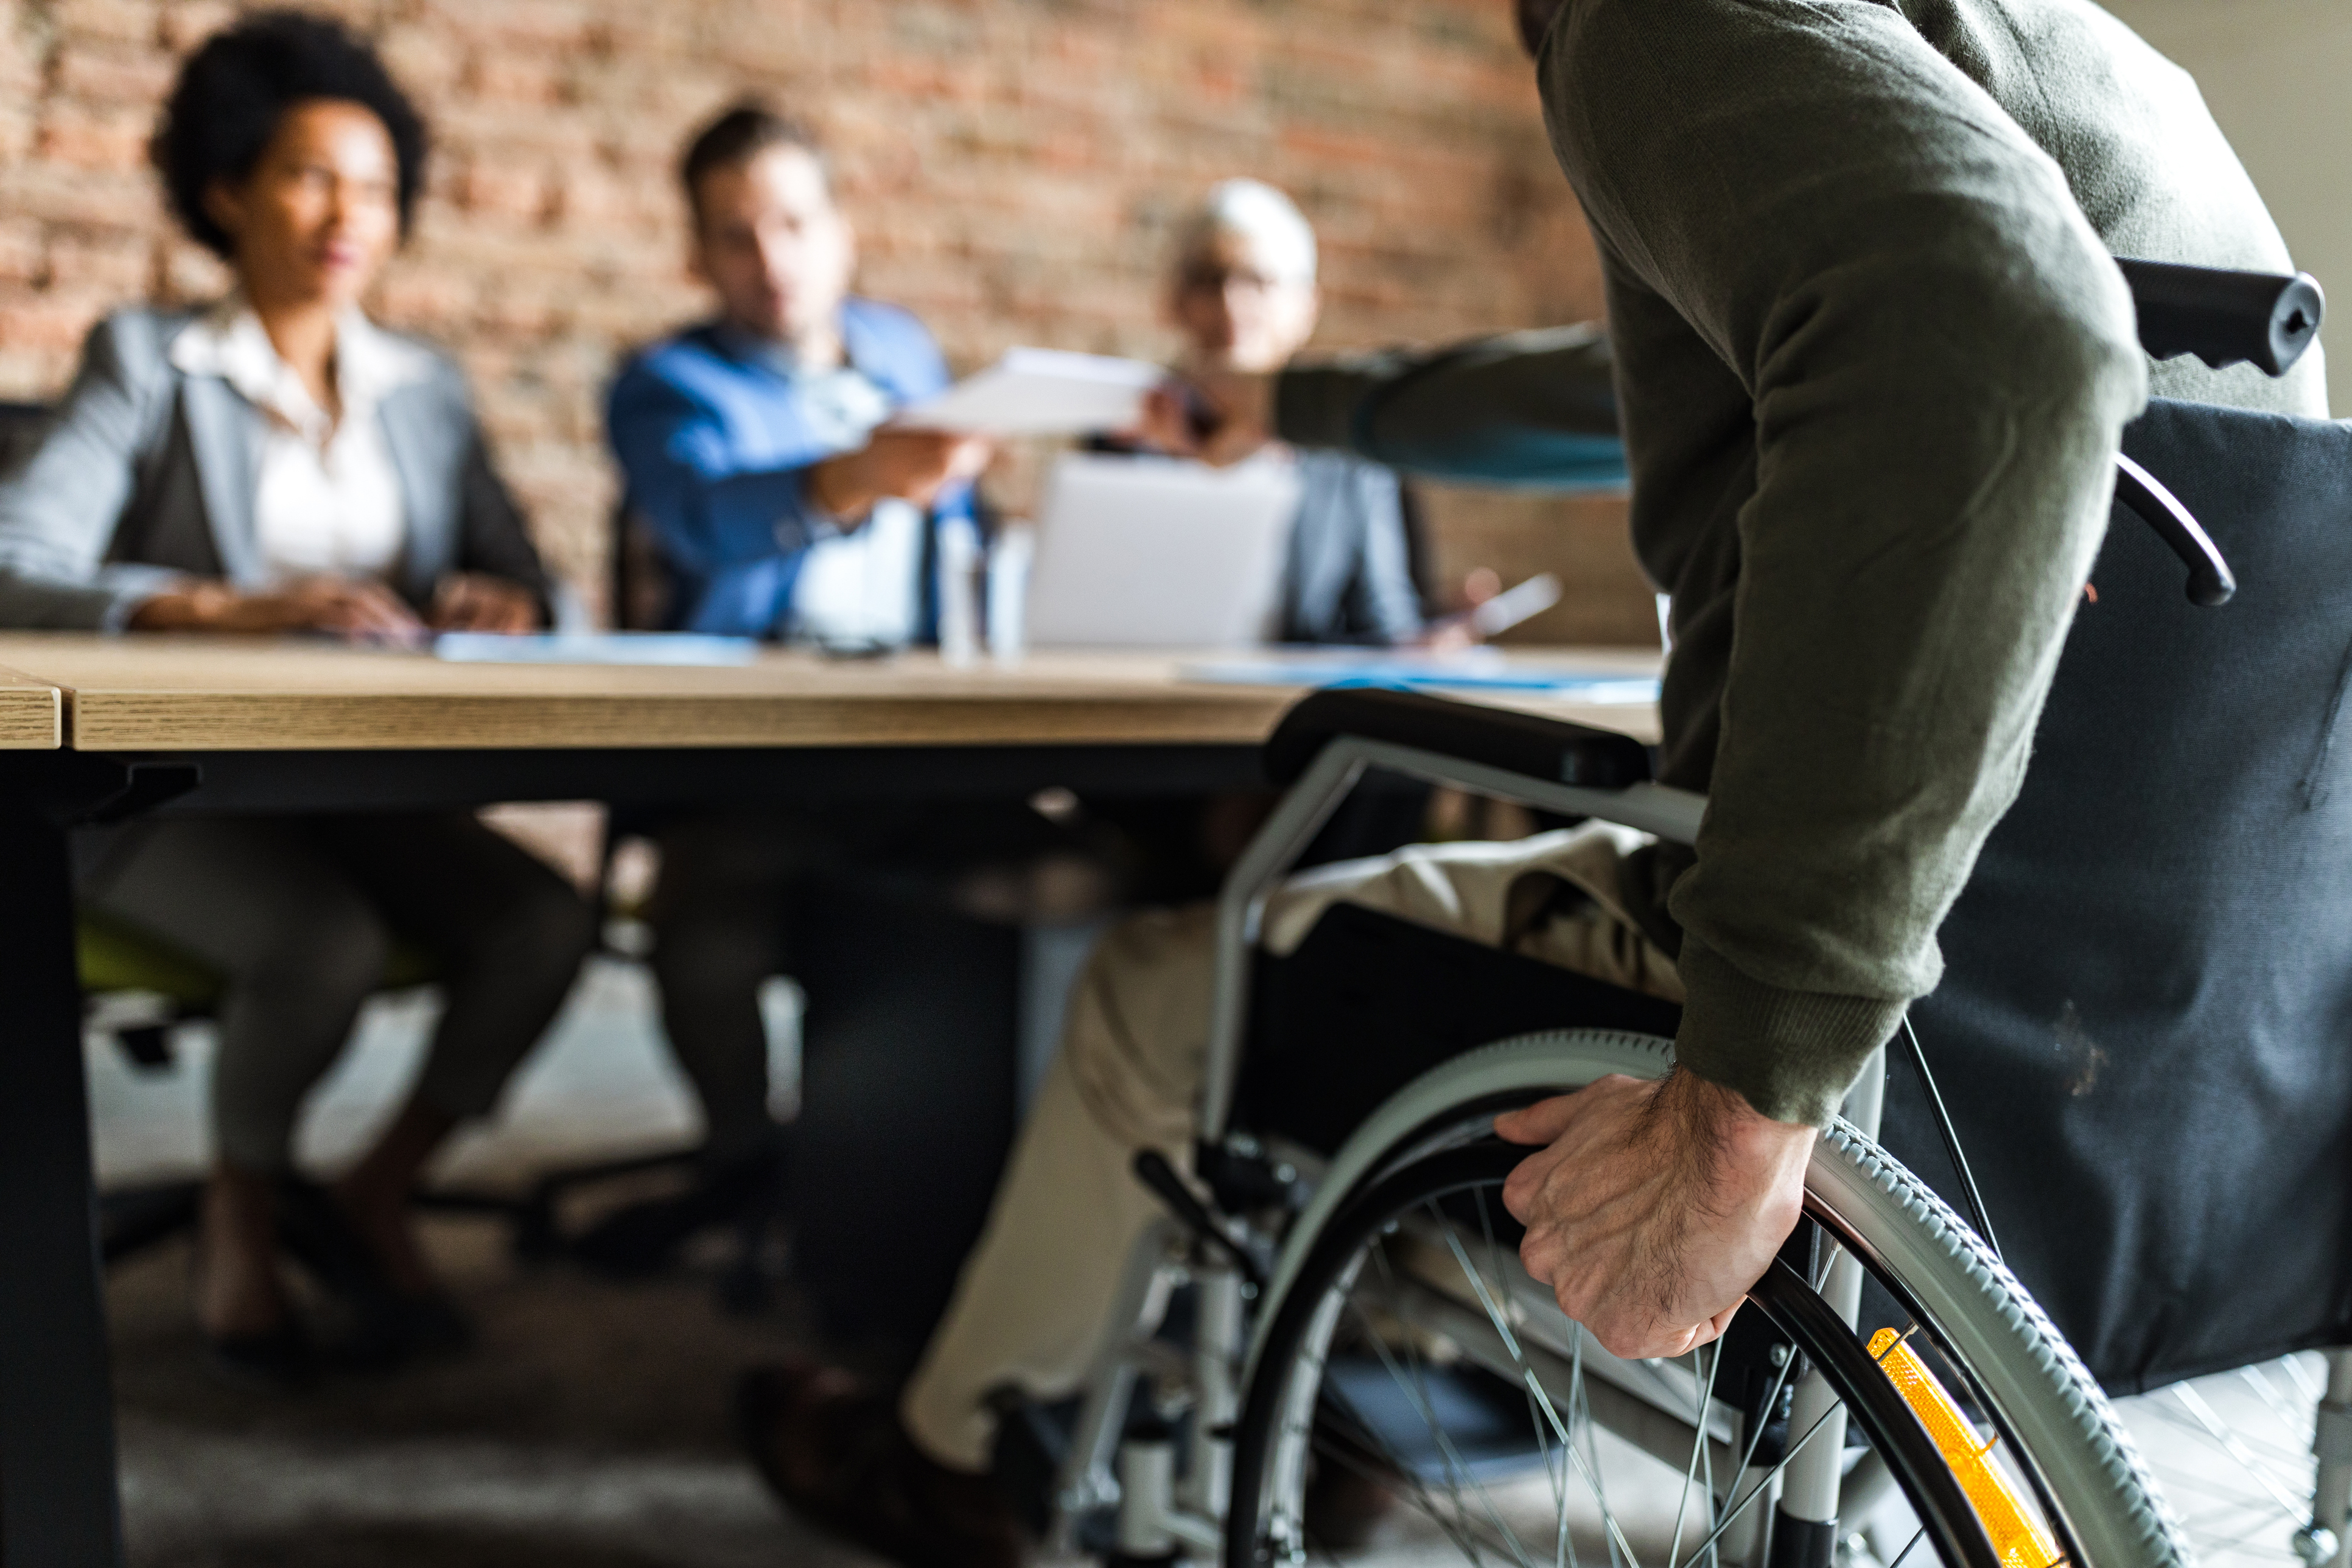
(752, 444)
(759, 466)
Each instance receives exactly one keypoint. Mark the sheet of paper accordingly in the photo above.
(594, 648)
(1480, 670)
(1040, 391)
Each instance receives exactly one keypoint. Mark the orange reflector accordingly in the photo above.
(2018, 1539)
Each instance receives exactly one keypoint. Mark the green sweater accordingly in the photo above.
(1871, 369)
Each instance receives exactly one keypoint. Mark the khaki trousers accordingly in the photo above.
(1030, 1308)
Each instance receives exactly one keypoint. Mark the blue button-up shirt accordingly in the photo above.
(715, 432)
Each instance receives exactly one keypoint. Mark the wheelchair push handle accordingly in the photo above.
(2225, 318)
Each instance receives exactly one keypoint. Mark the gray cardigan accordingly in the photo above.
(146, 476)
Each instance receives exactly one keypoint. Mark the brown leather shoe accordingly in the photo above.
(832, 1450)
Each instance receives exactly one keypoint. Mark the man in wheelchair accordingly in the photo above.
(1871, 365)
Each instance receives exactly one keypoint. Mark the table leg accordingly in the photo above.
(58, 1504)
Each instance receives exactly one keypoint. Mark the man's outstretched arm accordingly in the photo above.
(1533, 409)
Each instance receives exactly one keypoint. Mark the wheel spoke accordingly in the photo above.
(2289, 1418)
(1453, 1526)
(1318, 1365)
(2217, 1429)
(1698, 1451)
(1563, 1551)
(1417, 1387)
(1496, 1316)
(1764, 1482)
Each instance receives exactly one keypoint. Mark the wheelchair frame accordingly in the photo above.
(1157, 1512)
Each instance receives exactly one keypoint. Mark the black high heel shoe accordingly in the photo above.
(386, 1328)
(279, 1360)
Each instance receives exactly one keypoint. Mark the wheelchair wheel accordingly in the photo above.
(1402, 1341)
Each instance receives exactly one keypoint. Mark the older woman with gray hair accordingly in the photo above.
(1242, 292)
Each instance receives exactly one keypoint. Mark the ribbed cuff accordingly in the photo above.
(1792, 1054)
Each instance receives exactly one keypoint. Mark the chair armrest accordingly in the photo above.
(1551, 750)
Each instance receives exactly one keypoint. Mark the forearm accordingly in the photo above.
(1526, 408)
(841, 488)
(32, 599)
(189, 606)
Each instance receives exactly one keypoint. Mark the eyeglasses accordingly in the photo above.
(1209, 278)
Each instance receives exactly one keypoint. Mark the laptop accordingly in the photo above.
(1160, 553)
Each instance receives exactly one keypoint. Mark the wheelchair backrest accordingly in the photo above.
(2145, 1030)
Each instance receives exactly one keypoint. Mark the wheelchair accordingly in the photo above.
(2143, 1033)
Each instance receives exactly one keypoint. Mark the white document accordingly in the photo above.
(1039, 392)
(1157, 553)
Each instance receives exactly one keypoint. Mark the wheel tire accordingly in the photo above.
(2057, 1420)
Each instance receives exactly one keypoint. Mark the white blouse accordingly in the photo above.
(326, 497)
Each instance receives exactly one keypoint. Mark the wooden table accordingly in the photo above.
(32, 713)
(96, 730)
(214, 694)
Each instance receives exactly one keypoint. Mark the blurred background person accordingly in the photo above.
(752, 445)
(277, 463)
(776, 502)
(1242, 292)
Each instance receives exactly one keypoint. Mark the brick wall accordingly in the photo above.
(1014, 167)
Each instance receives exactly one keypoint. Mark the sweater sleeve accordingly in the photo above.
(1531, 409)
(1938, 359)
(735, 536)
(493, 536)
(60, 507)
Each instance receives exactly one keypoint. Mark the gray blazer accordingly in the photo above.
(1348, 577)
(146, 475)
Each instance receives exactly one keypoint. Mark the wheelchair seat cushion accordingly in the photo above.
(1368, 1001)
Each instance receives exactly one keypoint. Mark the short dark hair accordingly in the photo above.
(235, 92)
(739, 135)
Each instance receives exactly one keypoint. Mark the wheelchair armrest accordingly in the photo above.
(1550, 748)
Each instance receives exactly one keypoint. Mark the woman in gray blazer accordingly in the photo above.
(279, 464)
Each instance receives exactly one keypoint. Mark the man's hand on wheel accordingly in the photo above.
(1654, 1208)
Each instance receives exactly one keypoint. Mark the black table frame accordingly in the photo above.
(59, 1503)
